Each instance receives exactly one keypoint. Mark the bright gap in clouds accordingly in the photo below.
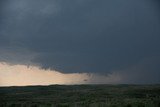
(21, 75)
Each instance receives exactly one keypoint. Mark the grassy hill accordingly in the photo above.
(81, 96)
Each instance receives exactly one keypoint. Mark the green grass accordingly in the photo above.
(81, 96)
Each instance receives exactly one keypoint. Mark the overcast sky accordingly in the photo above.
(102, 37)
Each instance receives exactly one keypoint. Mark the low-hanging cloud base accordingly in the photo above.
(144, 72)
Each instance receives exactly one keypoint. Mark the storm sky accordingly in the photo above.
(99, 37)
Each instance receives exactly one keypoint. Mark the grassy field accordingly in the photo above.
(81, 96)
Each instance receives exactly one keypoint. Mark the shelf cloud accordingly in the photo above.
(21, 75)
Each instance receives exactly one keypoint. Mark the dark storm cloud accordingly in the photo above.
(81, 35)
(144, 72)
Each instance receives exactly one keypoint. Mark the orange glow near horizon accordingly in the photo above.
(21, 75)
